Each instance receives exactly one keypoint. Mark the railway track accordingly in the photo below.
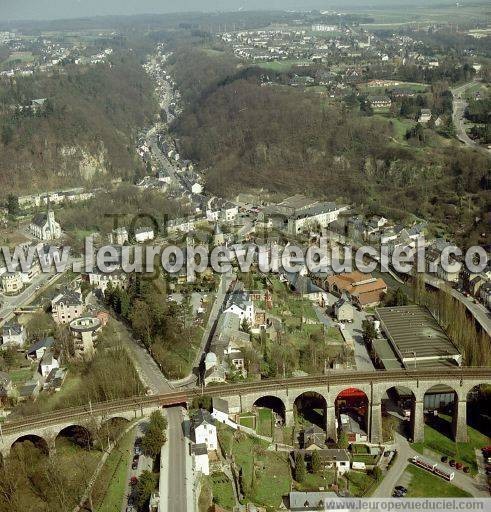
(174, 398)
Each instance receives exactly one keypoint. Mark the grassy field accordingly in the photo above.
(426, 485)
(247, 421)
(111, 484)
(437, 441)
(359, 483)
(266, 474)
(223, 492)
(265, 422)
(316, 481)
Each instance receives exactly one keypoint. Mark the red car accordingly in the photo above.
(133, 480)
(459, 465)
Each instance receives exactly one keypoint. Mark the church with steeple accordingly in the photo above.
(44, 225)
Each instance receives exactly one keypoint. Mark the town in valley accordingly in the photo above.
(359, 132)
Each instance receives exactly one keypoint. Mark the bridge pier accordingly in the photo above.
(459, 421)
(289, 418)
(375, 424)
(417, 422)
(331, 430)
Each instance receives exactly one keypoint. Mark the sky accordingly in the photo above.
(56, 9)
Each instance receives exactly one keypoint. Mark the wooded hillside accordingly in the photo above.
(86, 127)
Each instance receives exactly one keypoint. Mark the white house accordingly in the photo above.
(241, 306)
(45, 227)
(48, 363)
(36, 351)
(13, 334)
(144, 234)
(201, 461)
(321, 214)
(425, 115)
(205, 431)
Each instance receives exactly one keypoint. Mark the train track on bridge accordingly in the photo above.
(349, 378)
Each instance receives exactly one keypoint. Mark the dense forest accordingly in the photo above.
(86, 127)
(284, 140)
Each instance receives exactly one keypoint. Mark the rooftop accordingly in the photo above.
(415, 334)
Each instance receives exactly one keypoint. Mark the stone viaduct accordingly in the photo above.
(375, 390)
(45, 428)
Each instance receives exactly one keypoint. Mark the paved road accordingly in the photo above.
(362, 359)
(177, 499)
(384, 490)
(478, 311)
(459, 106)
(152, 377)
(395, 474)
(144, 464)
(148, 370)
(10, 304)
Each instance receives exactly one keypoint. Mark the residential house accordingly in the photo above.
(313, 436)
(240, 305)
(48, 363)
(320, 215)
(66, 306)
(311, 501)
(55, 379)
(380, 102)
(13, 335)
(201, 461)
(204, 429)
(331, 458)
(434, 254)
(343, 310)
(425, 116)
(118, 236)
(220, 410)
(144, 234)
(101, 280)
(30, 390)
(36, 351)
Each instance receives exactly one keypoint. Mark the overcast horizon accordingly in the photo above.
(23, 10)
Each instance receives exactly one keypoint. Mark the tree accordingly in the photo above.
(342, 440)
(397, 298)
(157, 420)
(144, 488)
(245, 326)
(300, 470)
(316, 462)
(377, 473)
(153, 441)
(13, 204)
(369, 332)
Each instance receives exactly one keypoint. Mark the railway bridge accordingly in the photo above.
(285, 392)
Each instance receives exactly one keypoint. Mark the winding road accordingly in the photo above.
(459, 106)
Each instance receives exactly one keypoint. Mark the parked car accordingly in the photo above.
(444, 458)
(133, 480)
(466, 469)
(134, 464)
(452, 463)
(401, 489)
(459, 465)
